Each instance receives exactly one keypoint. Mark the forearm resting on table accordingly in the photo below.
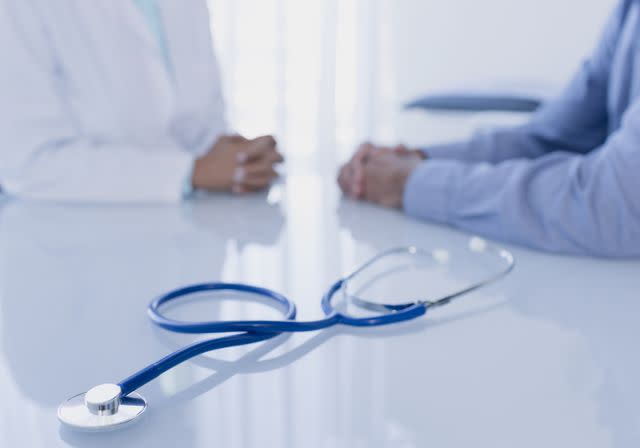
(561, 202)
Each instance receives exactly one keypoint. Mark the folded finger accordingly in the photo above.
(256, 169)
(255, 184)
(357, 181)
(351, 181)
(233, 138)
(401, 149)
(278, 157)
(250, 186)
(346, 179)
(256, 149)
(363, 152)
(341, 178)
(272, 156)
(255, 179)
(264, 177)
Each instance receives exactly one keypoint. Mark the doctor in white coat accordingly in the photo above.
(117, 101)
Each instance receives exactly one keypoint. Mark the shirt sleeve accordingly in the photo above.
(575, 121)
(43, 155)
(561, 202)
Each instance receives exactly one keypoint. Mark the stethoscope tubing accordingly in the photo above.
(251, 332)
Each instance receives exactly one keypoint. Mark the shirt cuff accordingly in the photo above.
(457, 151)
(428, 191)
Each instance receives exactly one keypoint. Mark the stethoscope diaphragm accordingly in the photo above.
(101, 408)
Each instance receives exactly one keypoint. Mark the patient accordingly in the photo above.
(568, 181)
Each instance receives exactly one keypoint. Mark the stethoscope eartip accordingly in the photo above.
(477, 244)
(101, 408)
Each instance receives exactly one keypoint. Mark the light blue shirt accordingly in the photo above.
(569, 180)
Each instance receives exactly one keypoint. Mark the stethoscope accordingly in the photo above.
(110, 406)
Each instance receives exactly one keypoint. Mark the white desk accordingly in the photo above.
(548, 357)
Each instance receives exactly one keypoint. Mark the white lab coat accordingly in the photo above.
(89, 111)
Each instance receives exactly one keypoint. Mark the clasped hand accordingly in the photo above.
(379, 174)
(238, 165)
(375, 173)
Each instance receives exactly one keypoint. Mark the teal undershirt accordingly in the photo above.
(151, 13)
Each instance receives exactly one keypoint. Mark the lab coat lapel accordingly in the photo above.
(151, 54)
(184, 41)
(120, 65)
(140, 28)
(172, 14)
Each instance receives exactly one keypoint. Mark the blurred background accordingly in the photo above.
(354, 63)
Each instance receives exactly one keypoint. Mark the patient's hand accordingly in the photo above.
(385, 176)
(379, 173)
(351, 175)
(237, 164)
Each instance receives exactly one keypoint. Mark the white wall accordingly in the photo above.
(290, 65)
(461, 41)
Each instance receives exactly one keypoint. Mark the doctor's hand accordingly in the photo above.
(237, 164)
(351, 177)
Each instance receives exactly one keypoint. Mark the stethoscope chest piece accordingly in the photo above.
(101, 408)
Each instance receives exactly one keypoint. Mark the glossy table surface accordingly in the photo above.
(546, 357)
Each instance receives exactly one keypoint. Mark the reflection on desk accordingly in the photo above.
(544, 358)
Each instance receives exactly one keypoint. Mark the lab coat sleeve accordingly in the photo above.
(43, 154)
(575, 121)
(560, 202)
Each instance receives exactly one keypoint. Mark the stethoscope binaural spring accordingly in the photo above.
(109, 406)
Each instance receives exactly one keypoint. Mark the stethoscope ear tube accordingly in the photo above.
(390, 316)
(476, 244)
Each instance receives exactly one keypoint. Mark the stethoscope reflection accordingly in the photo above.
(364, 224)
(63, 277)
(596, 301)
(255, 361)
(574, 295)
